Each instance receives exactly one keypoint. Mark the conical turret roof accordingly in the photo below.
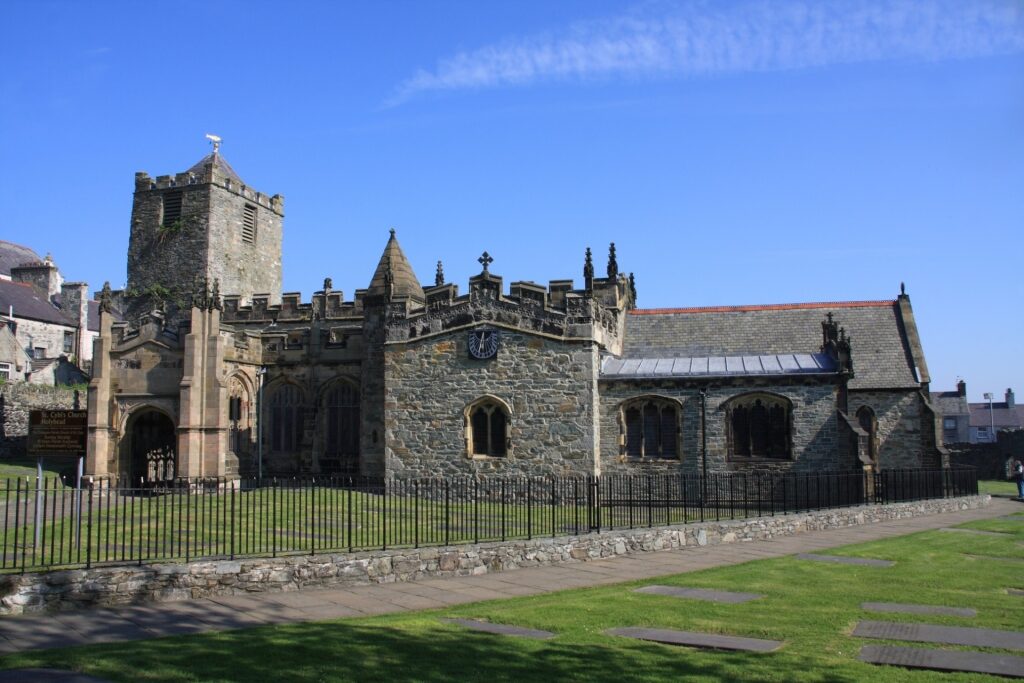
(219, 164)
(403, 279)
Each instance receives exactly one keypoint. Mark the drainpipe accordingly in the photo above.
(259, 424)
(704, 443)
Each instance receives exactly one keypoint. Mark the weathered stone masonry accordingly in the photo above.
(77, 588)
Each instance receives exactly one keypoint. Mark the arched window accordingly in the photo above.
(650, 428)
(869, 423)
(758, 426)
(341, 410)
(286, 415)
(487, 428)
(238, 416)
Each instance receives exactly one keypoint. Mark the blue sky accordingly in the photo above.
(736, 153)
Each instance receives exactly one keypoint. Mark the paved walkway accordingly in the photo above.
(30, 632)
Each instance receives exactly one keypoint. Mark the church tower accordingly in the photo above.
(202, 225)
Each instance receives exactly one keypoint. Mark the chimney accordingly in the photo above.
(1010, 403)
(961, 388)
(42, 275)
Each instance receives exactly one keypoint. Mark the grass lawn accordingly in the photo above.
(811, 606)
(998, 488)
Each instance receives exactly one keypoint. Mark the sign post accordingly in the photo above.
(54, 433)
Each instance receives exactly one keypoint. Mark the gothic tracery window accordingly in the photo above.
(758, 426)
(341, 410)
(286, 415)
(650, 428)
(487, 423)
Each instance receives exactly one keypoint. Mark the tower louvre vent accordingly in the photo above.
(249, 223)
(172, 208)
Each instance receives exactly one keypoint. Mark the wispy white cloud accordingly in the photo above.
(709, 38)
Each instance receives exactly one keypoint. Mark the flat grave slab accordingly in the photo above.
(840, 559)
(975, 532)
(1012, 518)
(500, 629)
(729, 597)
(712, 641)
(47, 676)
(919, 609)
(1015, 591)
(944, 660)
(948, 635)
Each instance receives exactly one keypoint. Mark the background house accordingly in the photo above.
(955, 412)
(989, 418)
(53, 322)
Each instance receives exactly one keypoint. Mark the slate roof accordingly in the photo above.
(881, 353)
(717, 366)
(13, 255)
(219, 163)
(949, 403)
(1002, 416)
(29, 302)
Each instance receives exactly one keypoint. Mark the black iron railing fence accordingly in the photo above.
(54, 525)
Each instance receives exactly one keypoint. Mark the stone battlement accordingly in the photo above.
(145, 183)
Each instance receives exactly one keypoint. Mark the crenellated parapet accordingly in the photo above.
(324, 305)
(210, 175)
(559, 310)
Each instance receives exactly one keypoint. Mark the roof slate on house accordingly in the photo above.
(1001, 416)
(949, 403)
(717, 366)
(13, 255)
(881, 354)
(29, 302)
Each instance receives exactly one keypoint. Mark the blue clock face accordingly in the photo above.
(483, 344)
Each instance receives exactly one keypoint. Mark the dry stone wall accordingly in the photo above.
(16, 400)
(71, 589)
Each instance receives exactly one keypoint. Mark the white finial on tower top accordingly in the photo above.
(215, 140)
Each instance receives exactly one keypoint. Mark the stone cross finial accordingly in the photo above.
(392, 231)
(106, 305)
(439, 276)
(588, 270)
(328, 284)
(486, 260)
(613, 265)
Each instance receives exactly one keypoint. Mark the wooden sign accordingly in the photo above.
(57, 432)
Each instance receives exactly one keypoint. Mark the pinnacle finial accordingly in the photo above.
(903, 289)
(392, 231)
(588, 270)
(439, 276)
(215, 296)
(486, 260)
(106, 305)
(613, 265)
(328, 284)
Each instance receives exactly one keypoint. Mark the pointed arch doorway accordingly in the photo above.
(150, 454)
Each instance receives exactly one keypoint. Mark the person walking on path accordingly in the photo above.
(1018, 476)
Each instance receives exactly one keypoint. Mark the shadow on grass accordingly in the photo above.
(428, 652)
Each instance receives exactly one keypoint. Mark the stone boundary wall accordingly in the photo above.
(16, 400)
(990, 458)
(78, 588)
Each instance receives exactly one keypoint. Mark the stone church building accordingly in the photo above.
(203, 367)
